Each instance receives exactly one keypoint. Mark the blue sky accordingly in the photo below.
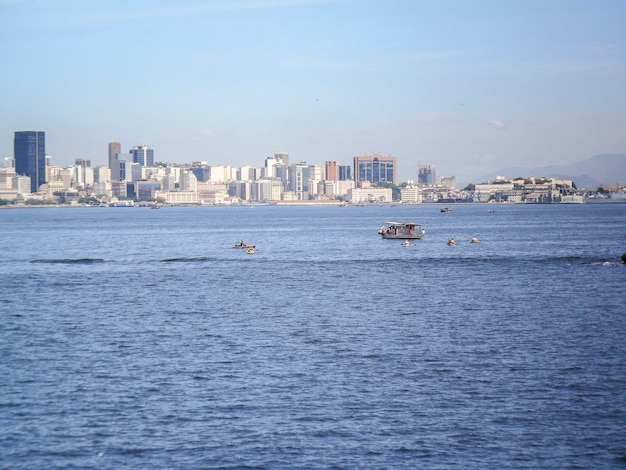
(465, 86)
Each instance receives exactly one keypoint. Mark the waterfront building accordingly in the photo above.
(334, 188)
(29, 151)
(211, 193)
(485, 192)
(6, 177)
(143, 155)
(370, 195)
(177, 197)
(375, 168)
(411, 194)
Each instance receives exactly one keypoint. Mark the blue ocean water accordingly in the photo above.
(137, 338)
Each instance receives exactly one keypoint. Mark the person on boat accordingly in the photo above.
(241, 243)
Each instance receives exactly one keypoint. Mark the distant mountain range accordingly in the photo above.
(601, 170)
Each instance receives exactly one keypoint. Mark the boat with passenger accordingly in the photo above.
(242, 245)
(402, 231)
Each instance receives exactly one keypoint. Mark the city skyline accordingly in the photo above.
(463, 87)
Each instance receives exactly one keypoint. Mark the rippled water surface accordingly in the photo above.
(137, 338)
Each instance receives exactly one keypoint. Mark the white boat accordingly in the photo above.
(402, 231)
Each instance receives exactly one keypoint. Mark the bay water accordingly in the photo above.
(138, 338)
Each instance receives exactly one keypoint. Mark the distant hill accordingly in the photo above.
(601, 170)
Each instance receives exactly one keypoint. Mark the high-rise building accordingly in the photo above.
(83, 172)
(426, 175)
(115, 149)
(282, 157)
(143, 155)
(345, 173)
(375, 168)
(279, 158)
(29, 149)
(331, 170)
(299, 180)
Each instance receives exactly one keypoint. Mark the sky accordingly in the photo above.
(468, 87)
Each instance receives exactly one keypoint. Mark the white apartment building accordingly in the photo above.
(482, 192)
(411, 195)
(188, 181)
(102, 188)
(177, 197)
(371, 194)
(266, 190)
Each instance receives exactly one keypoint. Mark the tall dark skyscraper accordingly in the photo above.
(29, 151)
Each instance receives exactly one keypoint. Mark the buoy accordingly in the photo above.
(451, 242)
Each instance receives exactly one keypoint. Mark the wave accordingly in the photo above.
(71, 260)
(198, 259)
